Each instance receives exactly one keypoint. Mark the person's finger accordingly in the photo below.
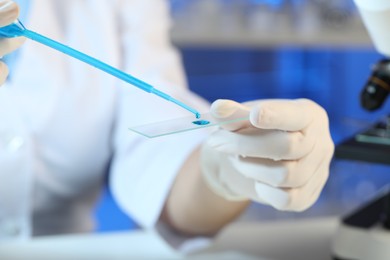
(295, 199)
(280, 174)
(9, 12)
(3, 73)
(215, 176)
(8, 45)
(224, 110)
(269, 144)
(261, 170)
(234, 182)
(287, 115)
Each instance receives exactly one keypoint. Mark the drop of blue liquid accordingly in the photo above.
(201, 122)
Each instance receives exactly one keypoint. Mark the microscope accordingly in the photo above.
(365, 233)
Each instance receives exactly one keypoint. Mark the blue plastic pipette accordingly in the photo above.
(17, 29)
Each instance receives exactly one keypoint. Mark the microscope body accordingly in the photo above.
(376, 17)
(365, 233)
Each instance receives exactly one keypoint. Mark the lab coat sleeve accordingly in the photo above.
(143, 169)
(15, 184)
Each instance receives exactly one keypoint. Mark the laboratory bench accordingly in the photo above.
(260, 233)
(276, 240)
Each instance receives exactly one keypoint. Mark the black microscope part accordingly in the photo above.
(377, 87)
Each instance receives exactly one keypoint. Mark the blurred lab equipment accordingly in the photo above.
(267, 22)
(365, 233)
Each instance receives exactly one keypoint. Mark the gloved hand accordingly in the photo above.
(9, 12)
(279, 157)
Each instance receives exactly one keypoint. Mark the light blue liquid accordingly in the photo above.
(17, 29)
(201, 122)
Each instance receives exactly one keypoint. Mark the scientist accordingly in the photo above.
(64, 127)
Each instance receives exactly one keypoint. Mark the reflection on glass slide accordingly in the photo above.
(179, 125)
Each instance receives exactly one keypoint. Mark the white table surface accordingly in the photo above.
(279, 240)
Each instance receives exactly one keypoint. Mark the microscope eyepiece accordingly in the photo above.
(377, 87)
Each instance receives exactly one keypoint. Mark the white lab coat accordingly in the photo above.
(64, 125)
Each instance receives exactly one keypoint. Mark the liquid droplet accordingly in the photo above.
(201, 122)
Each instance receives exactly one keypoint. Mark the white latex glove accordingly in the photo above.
(9, 12)
(279, 157)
